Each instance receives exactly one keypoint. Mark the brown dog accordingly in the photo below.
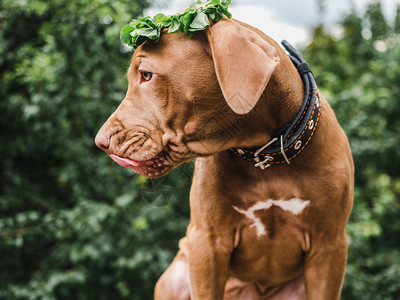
(270, 233)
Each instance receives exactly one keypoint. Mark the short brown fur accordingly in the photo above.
(190, 109)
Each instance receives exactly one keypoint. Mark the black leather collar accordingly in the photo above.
(291, 140)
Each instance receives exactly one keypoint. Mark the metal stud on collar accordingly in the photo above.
(298, 145)
(311, 125)
(240, 151)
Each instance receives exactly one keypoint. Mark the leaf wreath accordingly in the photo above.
(191, 20)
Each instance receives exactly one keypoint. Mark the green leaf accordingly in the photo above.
(126, 34)
(158, 18)
(186, 20)
(213, 13)
(150, 33)
(148, 22)
(138, 24)
(134, 23)
(226, 3)
(162, 20)
(192, 8)
(138, 40)
(213, 2)
(166, 22)
(200, 22)
(175, 26)
(226, 12)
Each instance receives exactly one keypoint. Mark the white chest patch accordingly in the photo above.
(294, 206)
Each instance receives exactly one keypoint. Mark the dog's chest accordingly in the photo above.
(262, 213)
(271, 236)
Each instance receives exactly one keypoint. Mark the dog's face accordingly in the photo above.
(175, 108)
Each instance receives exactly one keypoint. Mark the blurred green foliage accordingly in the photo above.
(356, 64)
(74, 225)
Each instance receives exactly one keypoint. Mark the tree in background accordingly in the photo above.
(396, 26)
(377, 22)
(73, 225)
(358, 71)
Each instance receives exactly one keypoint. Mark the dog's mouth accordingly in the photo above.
(153, 167)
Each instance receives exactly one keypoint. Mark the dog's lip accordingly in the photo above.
(153, 167)
(125, 162)
(154, 162)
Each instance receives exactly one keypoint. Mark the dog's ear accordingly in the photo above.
(243, 61)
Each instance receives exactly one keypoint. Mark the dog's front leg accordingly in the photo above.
(324, 268)
(209, 257)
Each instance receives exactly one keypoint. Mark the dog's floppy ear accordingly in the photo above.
(243, 61)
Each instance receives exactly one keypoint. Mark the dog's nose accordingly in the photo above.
(102, 140)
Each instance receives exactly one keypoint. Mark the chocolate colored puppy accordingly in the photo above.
(272, 233)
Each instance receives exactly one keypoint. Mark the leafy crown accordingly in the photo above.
(195, 18)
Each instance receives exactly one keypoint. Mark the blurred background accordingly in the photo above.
(74, 225)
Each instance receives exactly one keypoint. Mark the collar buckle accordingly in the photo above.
(265, 163)
(268, 158)
(283, 151)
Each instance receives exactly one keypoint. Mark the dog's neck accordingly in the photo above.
(278, 105)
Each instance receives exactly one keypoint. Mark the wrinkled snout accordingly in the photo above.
(102, 140)
(133, 149)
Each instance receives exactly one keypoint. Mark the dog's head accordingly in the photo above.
(185, 97)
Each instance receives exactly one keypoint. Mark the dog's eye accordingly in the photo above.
(147, 75)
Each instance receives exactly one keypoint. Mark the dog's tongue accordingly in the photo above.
(125, 162)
